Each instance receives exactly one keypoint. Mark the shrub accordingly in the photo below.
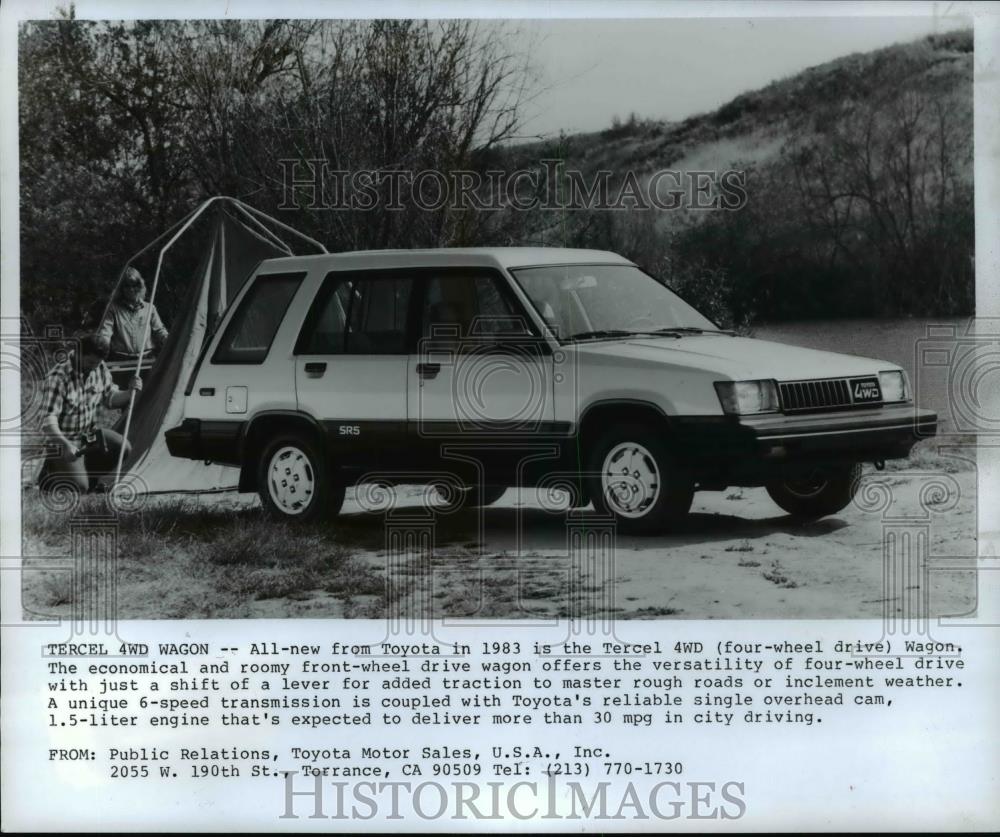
(709, 289)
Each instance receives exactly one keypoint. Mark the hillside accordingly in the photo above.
(753, 127)
(857, 172)
(858, 176)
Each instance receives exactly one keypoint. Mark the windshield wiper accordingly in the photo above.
(602, 332)
(670, 331)
(692, 330)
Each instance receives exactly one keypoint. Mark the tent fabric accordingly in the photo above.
(233, 253)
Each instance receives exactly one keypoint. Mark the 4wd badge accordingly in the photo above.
(865, 390)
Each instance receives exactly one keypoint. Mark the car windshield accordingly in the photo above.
(582, 301)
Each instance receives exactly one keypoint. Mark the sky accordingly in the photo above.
(589, 71)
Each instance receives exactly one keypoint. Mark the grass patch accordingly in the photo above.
(62, 587)
(267, 582)
(260, 542)
(776, 575)
(356, 578)
(655, 612)
(189, 558)
(57, 589)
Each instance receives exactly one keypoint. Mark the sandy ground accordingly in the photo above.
(738, 556)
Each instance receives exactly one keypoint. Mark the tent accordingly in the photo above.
(241, 236)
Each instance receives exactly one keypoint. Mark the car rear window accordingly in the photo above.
(251, 331)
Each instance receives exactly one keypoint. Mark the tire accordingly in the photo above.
(472, 497)
(310, 494)
(633, 476)
(822, 492)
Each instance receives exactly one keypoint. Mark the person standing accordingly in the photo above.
(124, 323)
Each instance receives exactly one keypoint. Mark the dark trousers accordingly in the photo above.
(82, 472)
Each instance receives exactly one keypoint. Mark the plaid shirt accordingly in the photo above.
(74, 399)
(123, 326)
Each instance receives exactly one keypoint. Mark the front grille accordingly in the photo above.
(826, 394)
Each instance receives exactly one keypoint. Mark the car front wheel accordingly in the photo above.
(634, 477)
(295, 483)
(818, 493)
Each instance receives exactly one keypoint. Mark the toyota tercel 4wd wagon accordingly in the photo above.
(475, 370)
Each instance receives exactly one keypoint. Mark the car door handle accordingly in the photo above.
(315, 370)
(428, 370)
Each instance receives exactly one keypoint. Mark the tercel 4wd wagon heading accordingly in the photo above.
(476, 370)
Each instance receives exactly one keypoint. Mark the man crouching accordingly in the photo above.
(74, 389)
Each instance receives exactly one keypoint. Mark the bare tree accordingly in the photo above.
(884, 181)
(358, 95)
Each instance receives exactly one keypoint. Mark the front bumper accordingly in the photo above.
(884, 433)
(753, 443)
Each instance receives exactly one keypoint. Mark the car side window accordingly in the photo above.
(323, 333)
(358, 315)
(251, 331)
(469, 306)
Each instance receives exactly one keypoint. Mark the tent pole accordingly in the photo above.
(274, 240)
(145, 332)
(271, 239)
(223, 279)
(274, 220)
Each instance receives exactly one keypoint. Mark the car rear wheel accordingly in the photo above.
(634, 477)
(817, 493)
(294, 481)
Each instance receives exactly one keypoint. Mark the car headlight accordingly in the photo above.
(894, 386)
(741, 398)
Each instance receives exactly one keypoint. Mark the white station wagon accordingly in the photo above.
(475, 370)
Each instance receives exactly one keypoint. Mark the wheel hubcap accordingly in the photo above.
(290, 480)
(630, 479)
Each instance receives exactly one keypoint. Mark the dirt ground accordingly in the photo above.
(738, 556)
